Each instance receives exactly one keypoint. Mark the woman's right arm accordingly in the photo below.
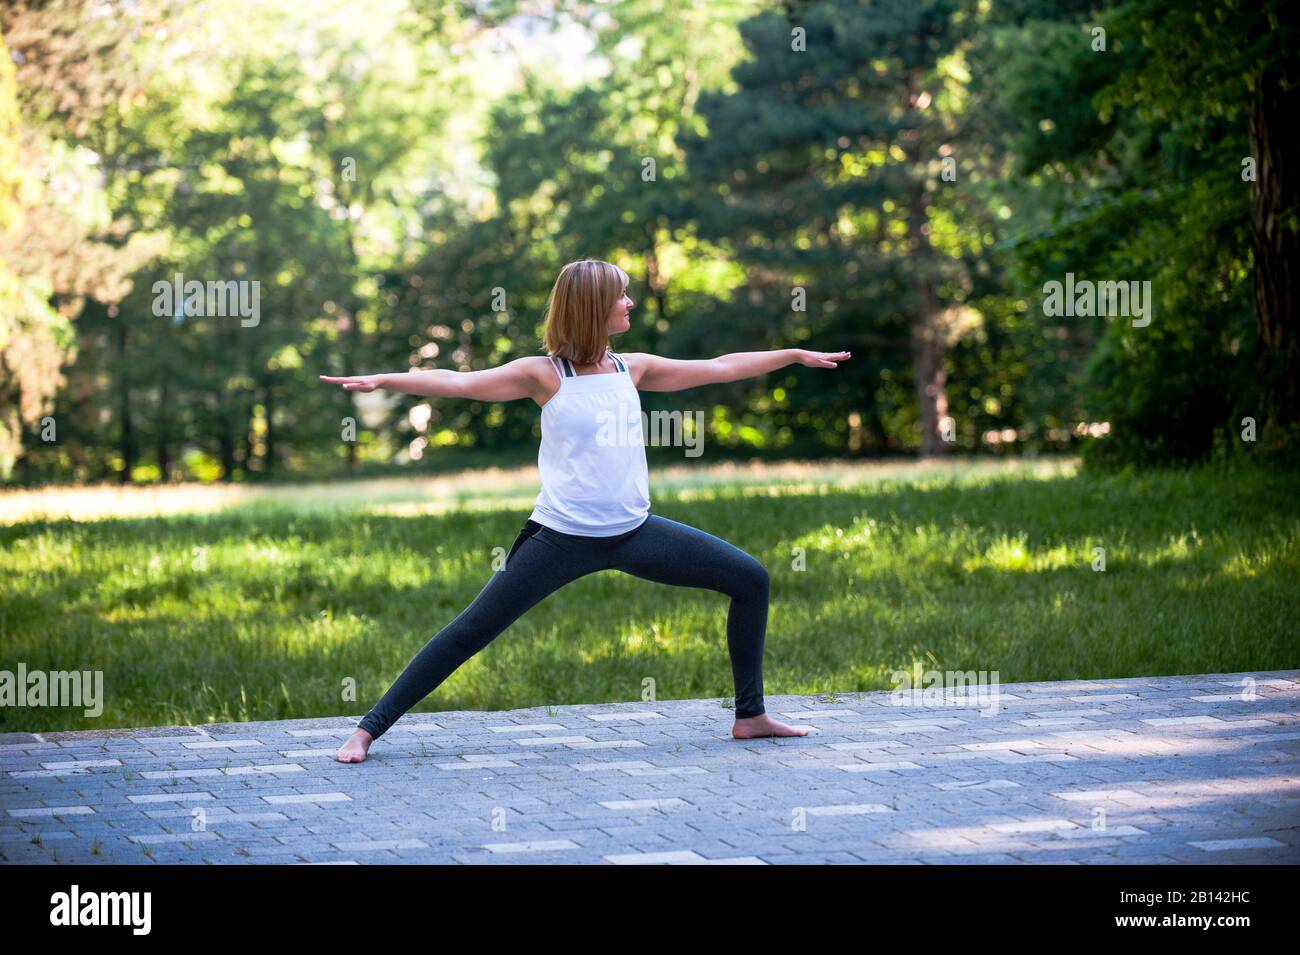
(515, 379)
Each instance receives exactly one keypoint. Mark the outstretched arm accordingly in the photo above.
(515, 379)
(673, 374)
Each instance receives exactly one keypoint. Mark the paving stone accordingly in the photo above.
(1171, 770)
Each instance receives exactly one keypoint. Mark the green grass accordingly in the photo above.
(963, 567)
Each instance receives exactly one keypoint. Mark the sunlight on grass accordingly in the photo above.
(1183, 547)
(267, 610)
(501, 487)
(1008, 554)
(1015, 554)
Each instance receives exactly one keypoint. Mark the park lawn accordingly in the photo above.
(274, 611)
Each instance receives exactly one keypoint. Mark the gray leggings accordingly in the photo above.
(543, 560)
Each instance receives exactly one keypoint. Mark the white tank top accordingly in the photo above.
(592, 457)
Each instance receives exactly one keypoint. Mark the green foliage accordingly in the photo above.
(405, 183)
(1136, 154)
(27, 322)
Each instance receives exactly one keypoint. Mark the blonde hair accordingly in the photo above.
(577, 312)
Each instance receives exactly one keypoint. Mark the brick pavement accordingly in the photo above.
(1179, 769)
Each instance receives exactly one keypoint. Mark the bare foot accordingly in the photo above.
(356, 748)
(754, 727)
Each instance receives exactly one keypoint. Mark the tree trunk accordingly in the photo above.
(246, 421)
(226, 443)
(876, 428)
(654, 281)
(268, 458)
(926, 338)
(126, 441)
(1275, 202)
(228, 402)
(164, 436)
(353, 305)
(927, 369)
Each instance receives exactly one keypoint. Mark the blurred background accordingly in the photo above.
(405, 178)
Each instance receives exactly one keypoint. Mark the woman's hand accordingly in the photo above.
(821, 359)
(354, 382)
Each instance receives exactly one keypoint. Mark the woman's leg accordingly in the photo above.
(671, 553)
(536, 566)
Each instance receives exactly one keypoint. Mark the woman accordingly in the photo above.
(593, 511)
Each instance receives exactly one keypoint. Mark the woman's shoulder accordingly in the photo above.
(636, 362)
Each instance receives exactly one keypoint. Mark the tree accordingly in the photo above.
(827, 164)
(1129, 125)
(1234, 65)
(64, 75)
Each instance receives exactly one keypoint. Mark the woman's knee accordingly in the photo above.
(752, 578)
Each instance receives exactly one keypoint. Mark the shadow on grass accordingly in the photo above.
(842, 627)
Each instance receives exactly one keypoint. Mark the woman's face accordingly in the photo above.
(619, 320)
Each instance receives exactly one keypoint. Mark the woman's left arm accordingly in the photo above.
(749, 364)
(673, 374)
